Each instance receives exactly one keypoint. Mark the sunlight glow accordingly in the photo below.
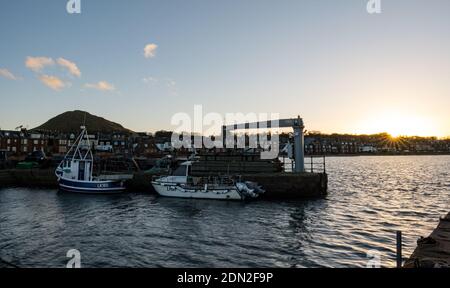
(398, 124)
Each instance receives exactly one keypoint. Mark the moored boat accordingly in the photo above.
(182, 185)
(75, 172)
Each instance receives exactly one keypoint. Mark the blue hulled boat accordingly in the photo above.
(75, 171)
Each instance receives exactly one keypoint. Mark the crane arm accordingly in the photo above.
(282, 123)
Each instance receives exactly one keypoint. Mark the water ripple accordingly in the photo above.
(370, 198)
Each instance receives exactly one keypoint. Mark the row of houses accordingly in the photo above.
(142, 144)
(373, 144)
(25, 142)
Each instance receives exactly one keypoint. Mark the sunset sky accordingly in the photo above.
(138, 62)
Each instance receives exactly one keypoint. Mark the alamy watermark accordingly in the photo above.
(75, 259)
(374, 6)
(374, 259)
(198, 132)
(73, 7)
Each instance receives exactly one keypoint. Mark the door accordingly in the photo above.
(81, 169)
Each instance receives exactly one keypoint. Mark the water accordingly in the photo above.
(370, 198)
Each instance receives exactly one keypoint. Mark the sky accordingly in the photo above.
(139, 62)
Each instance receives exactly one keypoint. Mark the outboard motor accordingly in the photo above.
(249, 189)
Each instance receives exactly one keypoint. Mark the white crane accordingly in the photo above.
(299, 137)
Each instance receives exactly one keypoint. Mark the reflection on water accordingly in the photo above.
(369, 199)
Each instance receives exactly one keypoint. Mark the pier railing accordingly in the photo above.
(313, 164)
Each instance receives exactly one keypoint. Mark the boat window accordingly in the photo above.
(181, 171)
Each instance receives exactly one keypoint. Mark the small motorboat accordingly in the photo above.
(181, 185)
(75, 171)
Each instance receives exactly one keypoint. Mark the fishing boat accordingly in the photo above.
(182, 185)
(75, 172)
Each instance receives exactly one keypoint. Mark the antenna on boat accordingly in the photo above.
(83, 127)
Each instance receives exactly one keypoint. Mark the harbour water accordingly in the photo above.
(370, 198)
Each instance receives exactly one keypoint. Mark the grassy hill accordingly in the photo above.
(70, 122)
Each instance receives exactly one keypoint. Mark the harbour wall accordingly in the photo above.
(434, 250)
(283, 186)
(286, 186)
(6, 178)
(28, 178)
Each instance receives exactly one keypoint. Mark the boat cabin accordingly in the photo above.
(78, 163)
(77, 169)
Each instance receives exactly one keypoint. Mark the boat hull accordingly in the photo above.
(177, 191)
(92, 187)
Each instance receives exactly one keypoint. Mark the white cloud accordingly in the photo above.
(7, 74)
(172, 86)
(52, 82)
(70, 66)
(167, 83)
(36, 64)
(150, 80)
(150, 50)
(101, 86)
(171, 83)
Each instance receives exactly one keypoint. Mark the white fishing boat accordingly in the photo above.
(181, 185)
(75, 172)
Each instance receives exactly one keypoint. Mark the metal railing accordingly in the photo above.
(313, 164)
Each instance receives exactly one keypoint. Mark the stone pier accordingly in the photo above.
(282, 186)
(433, 251)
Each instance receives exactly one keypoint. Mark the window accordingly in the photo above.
(181, 171)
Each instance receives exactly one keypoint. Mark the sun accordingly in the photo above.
(399, 124)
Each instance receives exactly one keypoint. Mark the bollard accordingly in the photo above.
(399, 249)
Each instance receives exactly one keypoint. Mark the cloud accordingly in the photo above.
(171, 86)
(52, 82)
(150, 50)
(150, 80)
(167, 83)
(36, 64)
(70, 66)
(7, 74)
(101, 86)
(171, 83)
